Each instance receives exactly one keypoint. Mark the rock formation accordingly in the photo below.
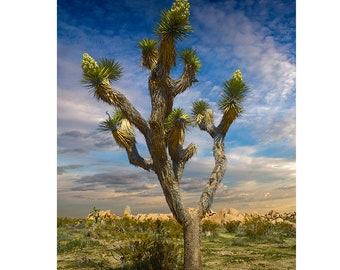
(221, 217)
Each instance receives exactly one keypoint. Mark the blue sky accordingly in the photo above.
(257, 37)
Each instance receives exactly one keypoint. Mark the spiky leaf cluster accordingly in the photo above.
(95, 73)
(174, 23)
(175, 126)
(120, 127)
(149, 52)
(190, 59)
(234, 93)
(148, 45)
(200, 109)
(177, 119)
(113, 122)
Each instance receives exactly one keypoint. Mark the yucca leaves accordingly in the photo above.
(175, 126)
(148, 45)
(177, 119)
(198, 107)
(234, 93)
(95, 73)
(149, 52)
(120, 128)
(174, 23)
(199, 110)
(112, 123)
(173, 26)
(190, 59)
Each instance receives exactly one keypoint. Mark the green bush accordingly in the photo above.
(64, 221)
(155, 251)
(232, 225)
(285, 229)
(209, 228)
(256, 226)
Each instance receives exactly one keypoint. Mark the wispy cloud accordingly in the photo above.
(63, 169)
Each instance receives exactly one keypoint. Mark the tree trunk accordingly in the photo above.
(192, 244)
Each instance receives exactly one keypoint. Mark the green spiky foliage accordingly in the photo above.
(199, 107)
(149, 52)
(177, 119)
(190, 59)
(200, 111)
(95, 73)
(233, 95)
(173, 26)
(175, 126)
(120, 128)
(174, 23)
(113, 122)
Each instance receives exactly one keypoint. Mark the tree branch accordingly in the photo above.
(181, 158)
(215, 179)
(226, 121)
(113, 97)
(137, 160)
(205, 122)
(185, 81)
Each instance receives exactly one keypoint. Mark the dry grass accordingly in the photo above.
(93, 246)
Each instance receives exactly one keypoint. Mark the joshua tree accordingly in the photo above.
(164, 131)
(95, 213)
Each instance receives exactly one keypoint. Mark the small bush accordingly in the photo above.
(285, 229)
(232, 225)
(89, 223)
(64, 221)
(155, 251)
(256, 226)
(209, 228)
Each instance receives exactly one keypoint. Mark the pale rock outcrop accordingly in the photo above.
(127, 212)
(233, 212)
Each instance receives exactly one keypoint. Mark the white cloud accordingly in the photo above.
(260, 58)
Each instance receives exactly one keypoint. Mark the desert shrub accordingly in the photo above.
(256, 226)
(209, 228)
(232, 225)
(89, 223)
(152, 251)
(74, 244)
(285, 229)
(64, 221)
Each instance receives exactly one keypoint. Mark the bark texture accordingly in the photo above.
(192, 242)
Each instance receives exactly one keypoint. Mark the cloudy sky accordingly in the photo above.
(257, 37)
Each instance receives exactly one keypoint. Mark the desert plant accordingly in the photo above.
(94, 213)
(152, 251)
(164, 131)
(209, 228)
(256, 226)
(232, 225)
(285, 229)
(64, 221)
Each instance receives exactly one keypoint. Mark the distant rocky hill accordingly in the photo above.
(221, 217)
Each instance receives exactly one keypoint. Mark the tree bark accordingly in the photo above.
(192, 243)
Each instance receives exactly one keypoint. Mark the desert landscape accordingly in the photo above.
(230, 240)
